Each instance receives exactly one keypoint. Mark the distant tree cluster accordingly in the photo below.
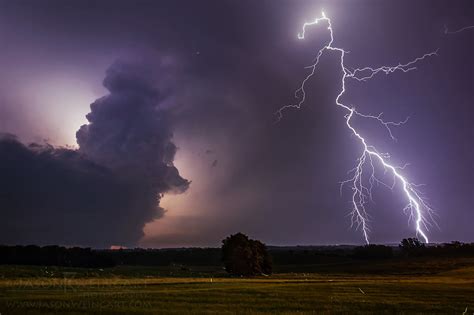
(413, 247)
(54, 256)
(245, 257)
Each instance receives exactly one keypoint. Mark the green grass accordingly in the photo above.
(420, 287)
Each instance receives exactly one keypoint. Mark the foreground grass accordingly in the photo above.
(36, 290)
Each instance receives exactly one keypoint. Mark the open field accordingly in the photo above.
(448, 289)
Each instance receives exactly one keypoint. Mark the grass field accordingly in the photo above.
(419, 287)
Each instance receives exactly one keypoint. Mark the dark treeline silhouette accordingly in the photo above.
(166, 257)
(93, 258)
(413, 247)
(54, 256)
(297, 255)
(307, 255)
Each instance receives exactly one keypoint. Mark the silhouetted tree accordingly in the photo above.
(244, 256)
(411, 246)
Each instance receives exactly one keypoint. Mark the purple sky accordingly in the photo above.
(207, 76)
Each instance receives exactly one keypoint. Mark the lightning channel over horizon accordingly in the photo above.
(361, 180)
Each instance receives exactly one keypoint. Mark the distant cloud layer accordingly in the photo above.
(104, 192)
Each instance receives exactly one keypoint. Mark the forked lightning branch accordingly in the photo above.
(363, 176)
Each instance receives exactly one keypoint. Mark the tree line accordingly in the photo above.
(54, 256)
(239, 255)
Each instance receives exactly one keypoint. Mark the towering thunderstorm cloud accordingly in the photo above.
(363, 175)
(130, 130)
(106, 191)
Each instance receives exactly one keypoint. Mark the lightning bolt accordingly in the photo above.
(447, 31)
(417, 207)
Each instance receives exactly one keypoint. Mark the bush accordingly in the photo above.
(245, 257)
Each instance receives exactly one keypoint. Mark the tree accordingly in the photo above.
(245, 257)
(411, 246)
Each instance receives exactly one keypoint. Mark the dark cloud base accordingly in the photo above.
(51, 196)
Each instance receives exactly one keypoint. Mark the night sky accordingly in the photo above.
(151, 123)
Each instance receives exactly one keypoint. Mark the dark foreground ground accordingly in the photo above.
(415, 286)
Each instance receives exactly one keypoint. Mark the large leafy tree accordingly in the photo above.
(245, 257)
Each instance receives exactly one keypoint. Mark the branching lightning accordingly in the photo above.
(447, 31)
(417, 208)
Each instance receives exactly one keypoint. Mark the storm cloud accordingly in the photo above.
(104, 192)
(230, 65)
(128, 130)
